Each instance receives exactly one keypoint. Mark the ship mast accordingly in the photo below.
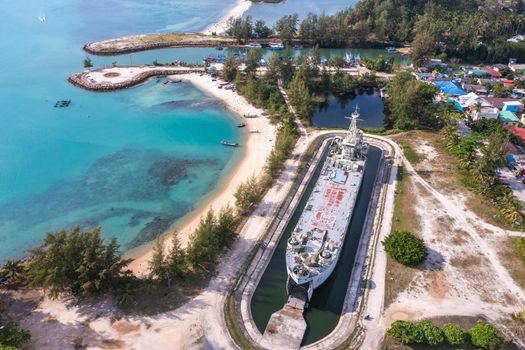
(352, 137)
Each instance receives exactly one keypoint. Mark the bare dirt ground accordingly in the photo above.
(464, 273)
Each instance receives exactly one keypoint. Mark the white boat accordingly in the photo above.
(315, 244)
(42, 18)
(391, 49)
(349, 58)
(253, 46)
(276, 46)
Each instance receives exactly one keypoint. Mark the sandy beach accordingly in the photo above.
(255, 148)
(237, 11)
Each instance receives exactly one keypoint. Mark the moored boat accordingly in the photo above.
(241, 125)
(229, 143)
(276, 46)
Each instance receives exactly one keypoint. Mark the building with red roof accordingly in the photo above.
(519, 132)
(492, 72)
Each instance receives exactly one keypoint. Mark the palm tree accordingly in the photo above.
(13, 269)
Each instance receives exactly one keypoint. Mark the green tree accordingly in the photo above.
(301, 97)
(230, 68)
(87, 62)
(433, 335)
(261, 30)
(253, 60)
(410, 103)
(484, 335)
(13, 269)
(423, 48)
(127, 289)
(286, 27)
(240, 28)
(76, 261)
(204, 248)
(405, 248)
(248, 195)
(158, 265)
(227, 223)
(402, 331)
(454, 334)
(176, 258)
(13, 336)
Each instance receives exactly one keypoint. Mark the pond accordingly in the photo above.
(332, 112)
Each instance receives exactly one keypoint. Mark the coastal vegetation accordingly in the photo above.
(77, 262)
(482, 335)
(480, 154)
(12, 337)
(410, 104)
(405, 248)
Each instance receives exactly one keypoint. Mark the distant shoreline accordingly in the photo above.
(222, 25)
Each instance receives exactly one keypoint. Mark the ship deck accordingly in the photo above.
(328, 210)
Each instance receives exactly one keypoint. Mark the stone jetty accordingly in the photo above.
(118, 78)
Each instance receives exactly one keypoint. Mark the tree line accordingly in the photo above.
(466, 29)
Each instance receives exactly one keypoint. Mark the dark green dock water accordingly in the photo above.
(325, 307)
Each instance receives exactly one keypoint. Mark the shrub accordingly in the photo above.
(12, 337)
(484, 335)
(405, 248)
(403, 331)
(433, 335)
(454, 334)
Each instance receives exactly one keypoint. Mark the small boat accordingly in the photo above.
(254, 131)
(42, 18)
(242, 125)
(220, 48)
(251, 116)
(176, 81)
(229, 143)
(391, 49)
(276, 46)
(165, 82)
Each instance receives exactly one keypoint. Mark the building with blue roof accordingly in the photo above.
(449, 88)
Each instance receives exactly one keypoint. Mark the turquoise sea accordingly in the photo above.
(131, 161)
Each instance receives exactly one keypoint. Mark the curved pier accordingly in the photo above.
(118, 78)
(348, 330)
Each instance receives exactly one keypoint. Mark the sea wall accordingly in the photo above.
(79, 79)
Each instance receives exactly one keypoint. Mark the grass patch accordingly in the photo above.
(233, 326)
(398, 276)
(513, 258)
(410, 153)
